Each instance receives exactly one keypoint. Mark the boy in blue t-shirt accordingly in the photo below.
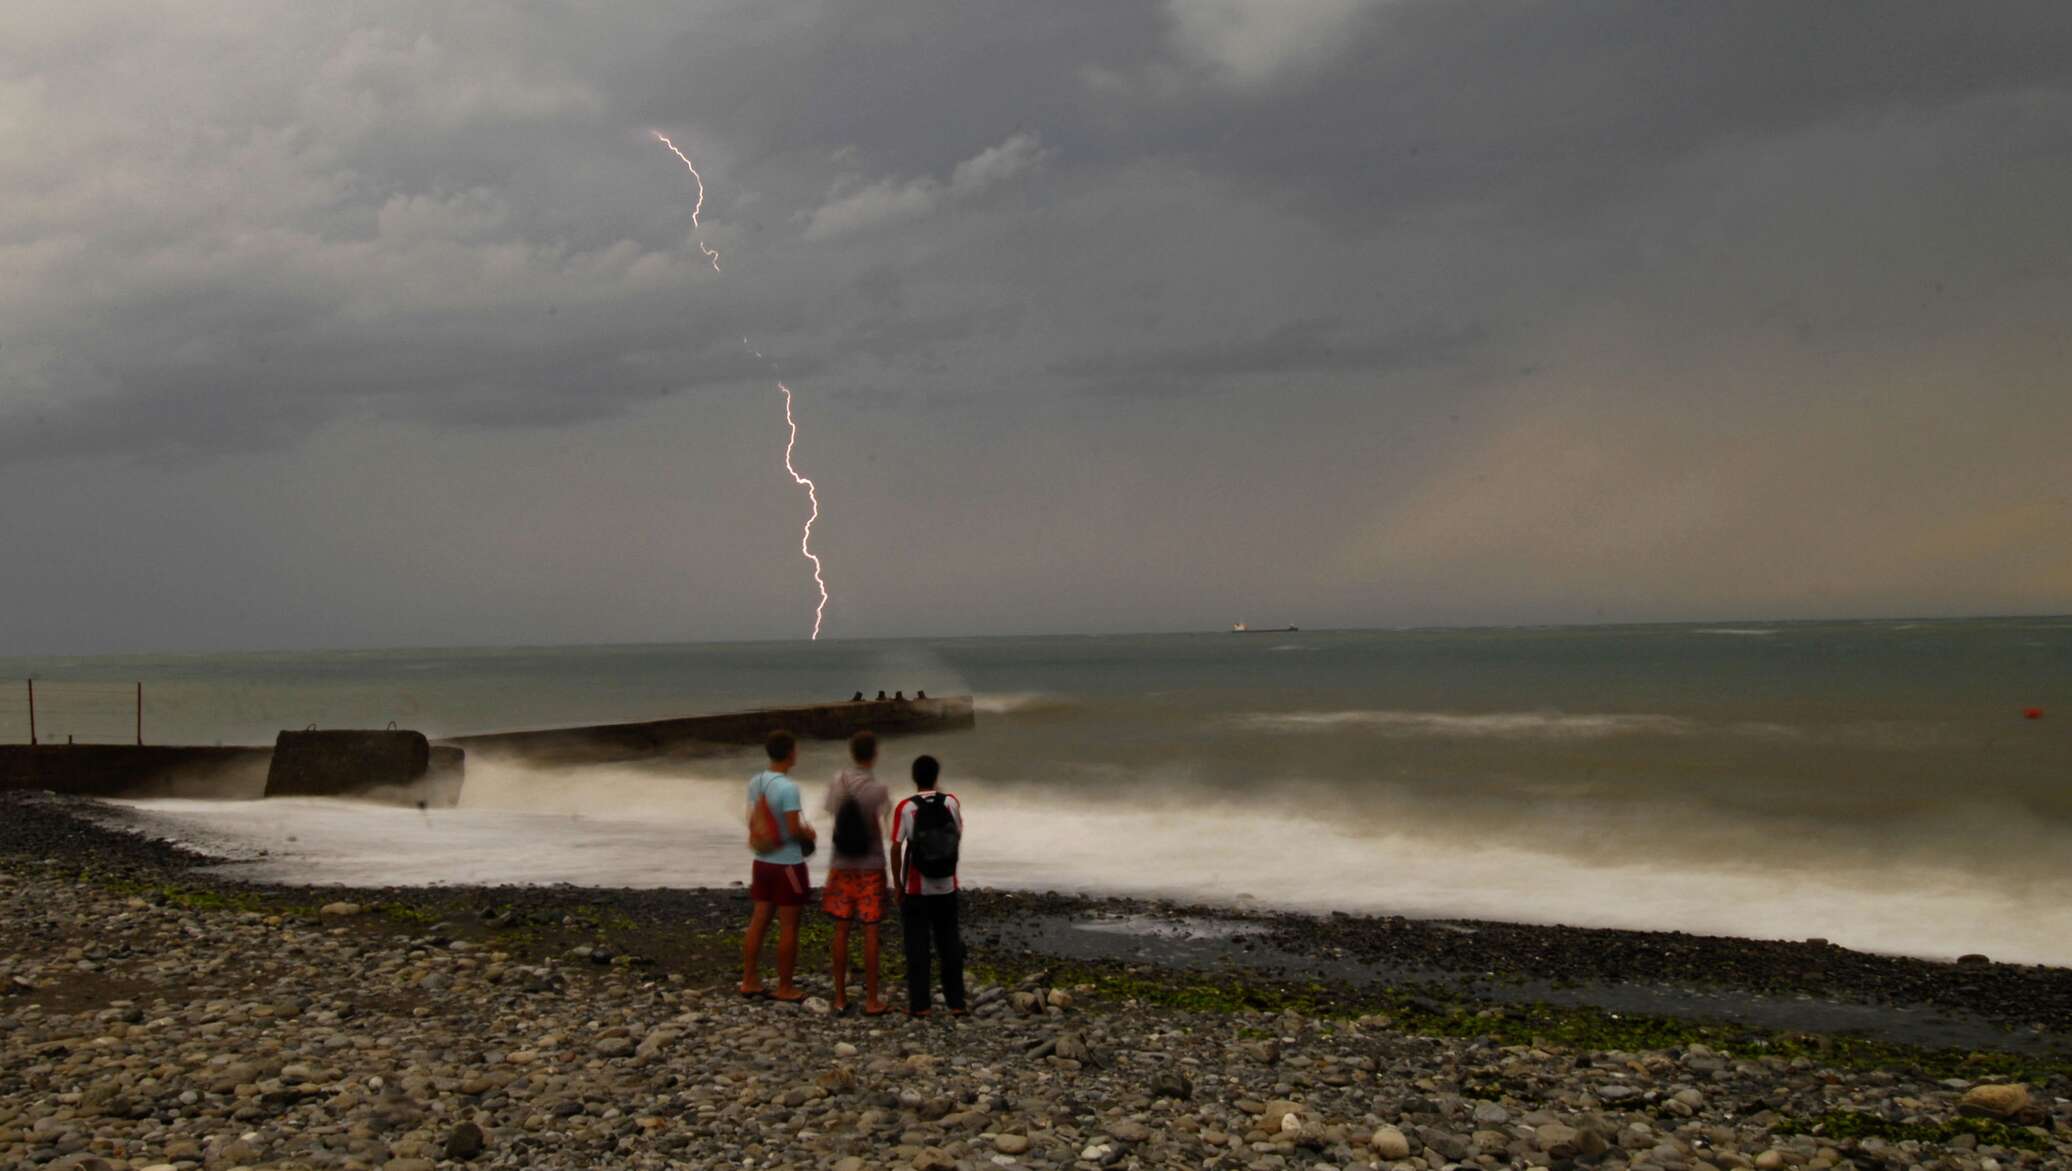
(779, 884)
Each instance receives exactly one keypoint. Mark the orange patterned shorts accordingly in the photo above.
(854, 894)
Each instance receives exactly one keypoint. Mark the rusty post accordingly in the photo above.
(32, 711)
(140, 713)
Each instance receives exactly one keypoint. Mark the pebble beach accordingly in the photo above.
(155, 1015)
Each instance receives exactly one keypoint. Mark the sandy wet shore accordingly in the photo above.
(154, 1014)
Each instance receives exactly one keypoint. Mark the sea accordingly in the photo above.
(1880, 784)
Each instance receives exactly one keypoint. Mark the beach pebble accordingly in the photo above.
(1171, 1083)
(213, 1037)
(464, 1141)
(1390, 1143)
(1996, 1101)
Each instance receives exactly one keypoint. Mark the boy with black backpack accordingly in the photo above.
(927, 830)
(855, 889)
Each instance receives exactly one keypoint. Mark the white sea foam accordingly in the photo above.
(1507, 725)
(1022, 703)
(605, 827)
(1745, 632)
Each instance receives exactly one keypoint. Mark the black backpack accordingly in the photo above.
(852, 829)
(933, 850)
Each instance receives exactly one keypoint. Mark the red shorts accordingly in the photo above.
(786, 886)
(855, 894)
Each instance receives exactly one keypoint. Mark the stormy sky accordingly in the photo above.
(370, 324)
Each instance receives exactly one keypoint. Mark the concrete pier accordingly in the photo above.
(403, 766)
(135, 770)
(691, 736)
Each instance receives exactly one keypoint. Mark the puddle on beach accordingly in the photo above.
(1181, 927)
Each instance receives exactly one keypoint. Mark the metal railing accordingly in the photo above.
(60, 711)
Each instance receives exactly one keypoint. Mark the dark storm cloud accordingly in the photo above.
(1293, 347)
(1592, 305)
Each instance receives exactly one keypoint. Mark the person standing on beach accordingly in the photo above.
(779, 884)
(855, 888)
(927, 831)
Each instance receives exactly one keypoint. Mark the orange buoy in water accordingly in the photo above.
(2032, 713)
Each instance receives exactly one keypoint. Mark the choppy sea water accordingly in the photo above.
(1874, 783)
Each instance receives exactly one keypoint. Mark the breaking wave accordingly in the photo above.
(1023, 703)
(1501, 725)
(627, 828)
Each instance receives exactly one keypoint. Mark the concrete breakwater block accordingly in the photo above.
(350, 762)
(691, 736)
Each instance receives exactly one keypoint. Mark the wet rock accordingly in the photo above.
(658, 1042)
(464, 1142)
(838, 1080)
(1390, 1143)
(1128, 1131)
(236, 1153)
(2002, 1101)
(1171, 1083)
(1280, 1115)
(1559, 1141)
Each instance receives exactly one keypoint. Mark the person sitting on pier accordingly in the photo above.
(857, 698)
(920, 695)
(881, 697)
(779, 884)
(899, 696)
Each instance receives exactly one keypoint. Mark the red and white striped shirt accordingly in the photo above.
(903, 830)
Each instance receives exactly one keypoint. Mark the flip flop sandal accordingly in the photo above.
(788, 999)
(758, 994)
(880, 1012)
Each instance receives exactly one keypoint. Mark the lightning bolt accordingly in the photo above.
(710, 254)
(812, 495)
(812, 492)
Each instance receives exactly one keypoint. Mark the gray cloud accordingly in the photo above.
(857, 208)
(1466, 311)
